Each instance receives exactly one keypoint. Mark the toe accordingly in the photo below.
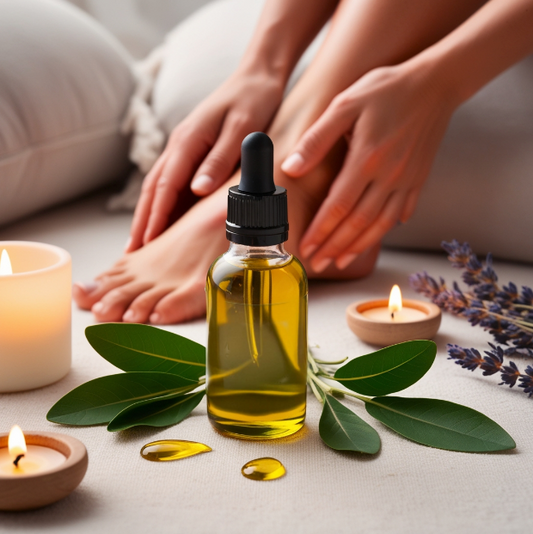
(183, 304)
(142, 307)
(86, 295)
(114, 303)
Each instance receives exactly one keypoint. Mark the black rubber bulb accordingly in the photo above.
(257, 165)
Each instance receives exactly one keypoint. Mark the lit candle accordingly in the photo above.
(42, 471)
(35, 307)
(19, 459)
(382, 322)
(395, 312)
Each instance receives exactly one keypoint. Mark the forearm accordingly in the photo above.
(285, 29)
(366, 34)
(489, 42)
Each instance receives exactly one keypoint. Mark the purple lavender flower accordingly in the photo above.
(510, 374)
(504, 312)
(526, 381)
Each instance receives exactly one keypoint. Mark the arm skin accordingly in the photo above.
(395, 118)
(205, 147)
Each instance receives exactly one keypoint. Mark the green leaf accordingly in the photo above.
(342, 430)
(388, 370)
(139, 347)
(163, 411)
(440, 424)
(100, 400)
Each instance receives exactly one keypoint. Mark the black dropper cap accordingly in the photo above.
(257, 208)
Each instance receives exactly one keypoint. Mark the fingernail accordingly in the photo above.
(321, 265)
(129, 316)
(155, 318)
(308, 250)
(128, 243)
(98, 307)
(86, 288)
(345, 260)
(293, 163)
(202, 183)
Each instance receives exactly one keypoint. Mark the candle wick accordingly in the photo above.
(17, 460)
(392, 315)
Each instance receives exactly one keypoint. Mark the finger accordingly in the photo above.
(318, 140)
(410, 204)
(345, 192)
(386, 220)
(222, 159)
(176, 173)
(354, 224)
(144, 204)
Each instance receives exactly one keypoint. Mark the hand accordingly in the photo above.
(394, 119)
(204, 147)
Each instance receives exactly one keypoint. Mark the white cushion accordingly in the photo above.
(65, 85)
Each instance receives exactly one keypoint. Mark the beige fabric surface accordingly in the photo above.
(406, 488)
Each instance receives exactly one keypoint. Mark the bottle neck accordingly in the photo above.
(274, 253)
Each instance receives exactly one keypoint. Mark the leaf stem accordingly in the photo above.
(336, 362)
(316, 384)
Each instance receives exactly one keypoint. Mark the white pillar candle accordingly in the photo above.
(35, 316)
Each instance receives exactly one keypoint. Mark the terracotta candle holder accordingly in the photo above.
(54, 466)
(374, 322)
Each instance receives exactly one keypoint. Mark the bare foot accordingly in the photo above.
(163, 282)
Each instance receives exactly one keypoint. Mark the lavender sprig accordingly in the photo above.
(505, 312)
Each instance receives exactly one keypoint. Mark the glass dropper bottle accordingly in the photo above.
(257, 310)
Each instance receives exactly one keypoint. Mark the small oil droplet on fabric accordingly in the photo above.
(263, 469)
(166, 450)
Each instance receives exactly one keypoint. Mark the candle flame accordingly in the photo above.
(395, 300)
(16, 442)
(5, 264)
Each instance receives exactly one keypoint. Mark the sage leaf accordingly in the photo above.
(342, 430)
(139, 347)
(388, 370)
(440, 424)
(100, 400)
(162, 411)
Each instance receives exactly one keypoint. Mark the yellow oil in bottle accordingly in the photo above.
(263, 469)
(166, 450)
(257, 346)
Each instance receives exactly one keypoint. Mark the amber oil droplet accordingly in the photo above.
(166, 450)
(263, 469)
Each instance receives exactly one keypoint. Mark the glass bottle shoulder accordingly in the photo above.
(228, 268)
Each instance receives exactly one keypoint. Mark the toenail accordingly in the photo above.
(86, 287)
(129, 316)
(155, 318)
(321, 265)
(98, 307)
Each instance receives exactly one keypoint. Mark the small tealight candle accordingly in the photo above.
(41, 472)
(35, 308)
(19, 459)
(382, 322)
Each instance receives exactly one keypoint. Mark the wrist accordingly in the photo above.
(435, 70)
